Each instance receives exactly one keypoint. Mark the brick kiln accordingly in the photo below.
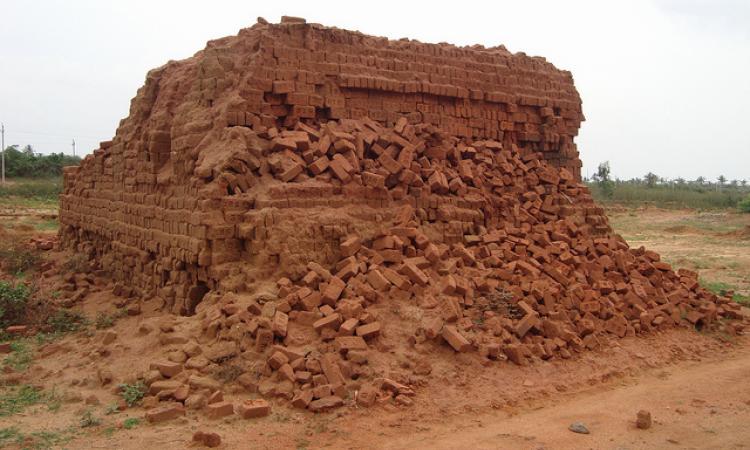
(284, 184)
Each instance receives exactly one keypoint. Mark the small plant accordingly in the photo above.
(54, 401)
(133, 393)
(112, 409)
(20, 356)
(130, 423)
(104, 320)
(66, 321)
(89, 420)
(13, 300)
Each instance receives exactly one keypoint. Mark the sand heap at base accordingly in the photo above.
(292, 186)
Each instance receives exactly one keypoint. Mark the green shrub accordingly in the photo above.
(744, 204)
(133, 393)
(13, 299)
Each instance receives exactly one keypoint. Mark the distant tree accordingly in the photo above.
(680, 181)
(651, 179)
(700, 181)
(603, 179)
(744, 183)
(720, 182)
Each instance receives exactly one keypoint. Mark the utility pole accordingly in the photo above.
(74, 147)
(2, 149)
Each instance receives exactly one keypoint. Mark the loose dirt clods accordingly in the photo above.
(643, 420)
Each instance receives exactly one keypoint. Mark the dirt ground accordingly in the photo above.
(693, 384)
(714, 243)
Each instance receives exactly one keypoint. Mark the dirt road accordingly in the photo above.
(695, 405)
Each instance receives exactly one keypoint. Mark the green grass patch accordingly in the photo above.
(131, 423)
(15, 399)
(720, 288)
(31, 192)
(66, 321)
(37, 440)
(46, 225)
(20, 357)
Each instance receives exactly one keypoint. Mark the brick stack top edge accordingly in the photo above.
(281, 73)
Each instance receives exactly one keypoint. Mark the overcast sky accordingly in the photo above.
(665, 83)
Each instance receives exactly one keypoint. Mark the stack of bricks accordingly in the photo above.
(145, 203)
(346, 172)
(306, 71)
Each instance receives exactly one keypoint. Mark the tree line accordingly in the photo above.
(26, 163)
(651, 188)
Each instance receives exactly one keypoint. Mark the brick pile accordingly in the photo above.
(285, 185)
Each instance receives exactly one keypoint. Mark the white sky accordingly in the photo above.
(665, 83)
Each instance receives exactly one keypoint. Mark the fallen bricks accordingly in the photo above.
(465, 206)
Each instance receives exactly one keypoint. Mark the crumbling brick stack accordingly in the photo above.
(145, 199)
(285, 184)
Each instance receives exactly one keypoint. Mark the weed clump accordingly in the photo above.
(130, 423)
(89, 420)
(133, 393)
(104, 320)
(20, 357)
(13, 301)
(66, 321)
(14, 400)
(16, 258)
